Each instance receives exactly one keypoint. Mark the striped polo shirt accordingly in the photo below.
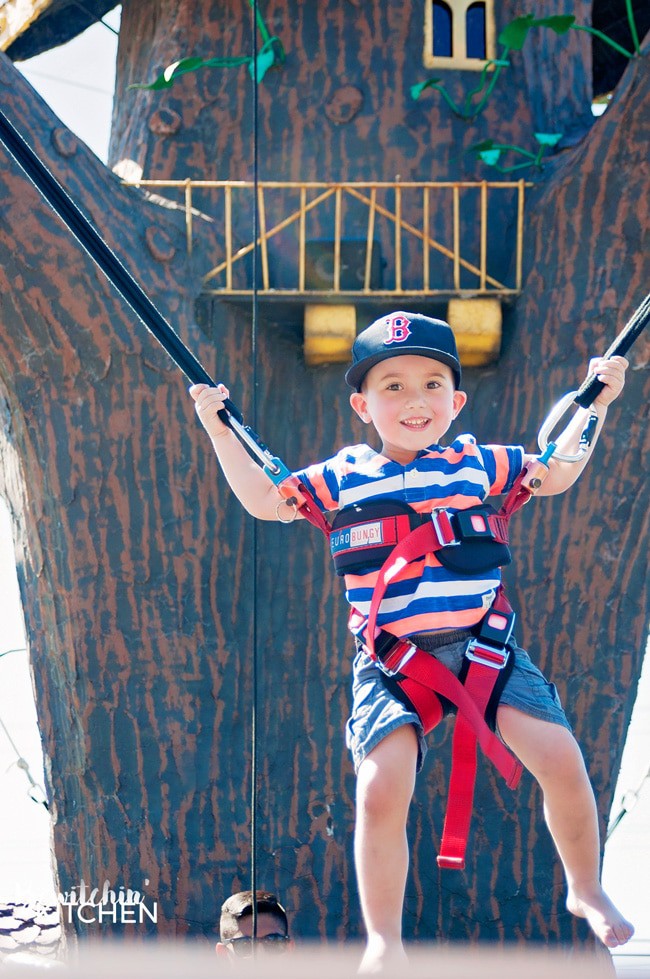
(424, 596)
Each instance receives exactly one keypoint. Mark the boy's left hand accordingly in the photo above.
(612, 373)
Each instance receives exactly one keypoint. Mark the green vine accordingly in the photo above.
(490, 152)
(271, 53)
(513, 38)
(467, 112)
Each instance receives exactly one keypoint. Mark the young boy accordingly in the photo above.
(406, 380)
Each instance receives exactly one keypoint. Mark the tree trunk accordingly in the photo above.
(137, 565)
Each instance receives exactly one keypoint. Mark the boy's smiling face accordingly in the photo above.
(411, 401)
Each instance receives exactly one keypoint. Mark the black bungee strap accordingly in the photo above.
(591, 387)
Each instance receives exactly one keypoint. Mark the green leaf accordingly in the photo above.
(491, 157)
(515, 33)
(548, 139)
(561, 23)
(417, 90)
(178, 68)
(181, 68)
(484, 145)
(272, 53)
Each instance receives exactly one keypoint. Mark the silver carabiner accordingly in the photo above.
(549, 423)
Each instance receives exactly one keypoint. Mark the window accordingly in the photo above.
(458, 33)
(442, 40)
(475, 35)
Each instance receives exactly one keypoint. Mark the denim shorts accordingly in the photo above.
(376, 713)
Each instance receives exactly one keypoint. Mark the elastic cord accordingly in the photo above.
(255, 636)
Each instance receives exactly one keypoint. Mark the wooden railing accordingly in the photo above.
(408, 238)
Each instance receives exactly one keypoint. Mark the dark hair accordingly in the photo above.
(240, 905)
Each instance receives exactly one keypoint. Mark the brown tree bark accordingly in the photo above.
(136, 564)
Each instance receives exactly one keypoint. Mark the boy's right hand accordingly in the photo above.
(208, 401)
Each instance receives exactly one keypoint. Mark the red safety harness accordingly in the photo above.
(423, 680)
(414, 675)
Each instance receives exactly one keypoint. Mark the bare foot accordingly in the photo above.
(603, 917)
(381, 958)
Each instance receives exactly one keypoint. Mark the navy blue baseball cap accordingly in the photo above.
(402, 333)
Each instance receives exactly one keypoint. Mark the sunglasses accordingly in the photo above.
(243, 947)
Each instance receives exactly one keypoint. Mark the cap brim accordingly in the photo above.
(355, 374)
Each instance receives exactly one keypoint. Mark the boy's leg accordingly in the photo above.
(552, 755)
(385, 783)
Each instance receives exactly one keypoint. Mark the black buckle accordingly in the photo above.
(496, 628)
(471, 525)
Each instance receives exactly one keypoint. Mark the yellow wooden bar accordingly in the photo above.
(301, 240)
(425, 239)
(297, 184)
(369, 240)
(483, 258)
(337, 241)
(228, 222)
(188, 215)
(520, 233)
(398, 238)
(265, 253)
(456, 235)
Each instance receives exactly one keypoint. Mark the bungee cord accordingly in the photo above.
(628, 802)
(36, 791)
(254, 543)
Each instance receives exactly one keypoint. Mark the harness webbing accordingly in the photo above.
(422, 677)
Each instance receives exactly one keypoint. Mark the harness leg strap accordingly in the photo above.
(429, 672)
(421, 677)
(479, 683)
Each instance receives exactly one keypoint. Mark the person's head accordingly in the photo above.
(236, 924)
(406, 376)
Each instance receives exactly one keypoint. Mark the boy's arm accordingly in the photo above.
(250, 484)
(563, 474)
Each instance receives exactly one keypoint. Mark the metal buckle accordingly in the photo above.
(450, 863)
(443, 528)
(500, 655)
(387, 670)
